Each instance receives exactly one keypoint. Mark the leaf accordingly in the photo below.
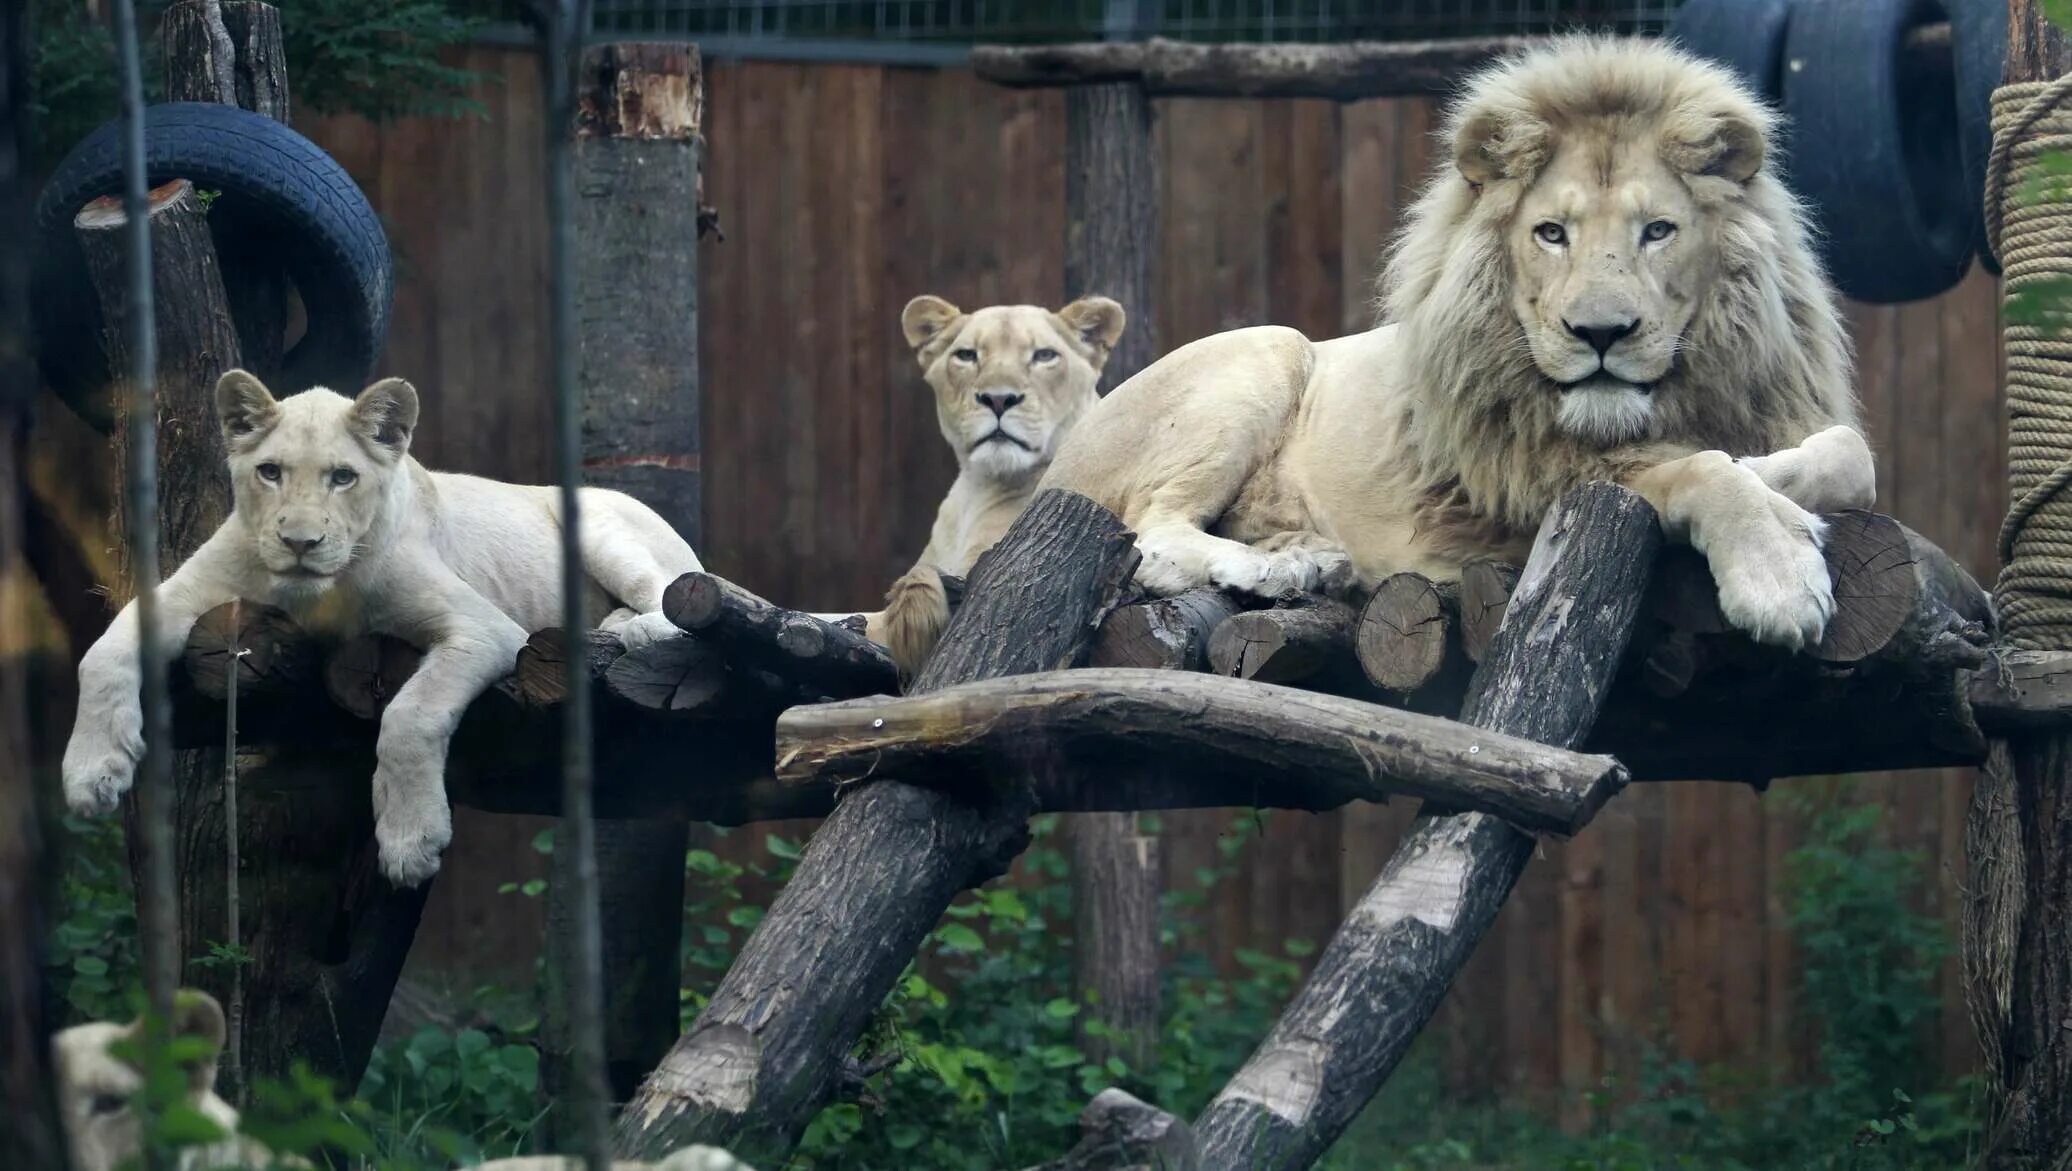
(958, 937)
(1061, 1009)
(90, 965)
(184, 1126)
(781, 848)
(745, 916)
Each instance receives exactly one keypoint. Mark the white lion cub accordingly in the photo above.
(334, 522)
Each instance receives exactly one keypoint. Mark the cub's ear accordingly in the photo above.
(1492, 143)
(925, 318)
(386, 414)
(198, 1025)
(1098, 322)
(244, 406)
(1728, 145)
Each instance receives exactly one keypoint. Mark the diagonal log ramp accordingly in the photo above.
(773, 1045)
(1544, 678)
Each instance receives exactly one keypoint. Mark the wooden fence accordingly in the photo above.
(844, 190)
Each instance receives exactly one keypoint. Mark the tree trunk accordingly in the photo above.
(2019, 835)
(1401, 947)
(772, 1046)
(1111, 237)
(635, 246)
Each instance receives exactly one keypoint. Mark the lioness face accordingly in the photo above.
(1607, 249)
(311, 474)
(95, 1087)
(1010, 380)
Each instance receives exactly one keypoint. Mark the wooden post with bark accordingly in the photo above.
(634, 243)
(325, 933)
(1111, 236)
(773, 1045)
(1403, 944)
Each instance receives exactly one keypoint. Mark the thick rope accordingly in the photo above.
(2033, 238)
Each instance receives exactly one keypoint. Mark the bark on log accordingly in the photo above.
(1232, 737)
(1119, 1133)
(1346, 72)
(1170, 634)
(1485, 589)
(1400, 949)
(816, 656)
(1309, 641)
(769, 1050)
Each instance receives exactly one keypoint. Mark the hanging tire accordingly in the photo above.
(1978, 51)
(273, 183)
(1873, 147)
(1746, 36)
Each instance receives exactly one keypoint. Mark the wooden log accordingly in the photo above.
(677, 676)
(824, 658)
(1383, 975)
(540, 676)
(770, 1048)
(1348, 71)
(1485, 589)
(274, 657)
(1236, 736)
(1408, 640)
(1169, 634)
(1309, 640)
(1117, 1132)
(365, 673)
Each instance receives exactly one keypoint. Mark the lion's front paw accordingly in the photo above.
(1266, 575)
(410, 838)
(97, 773)
(1161, 575)
(1773, 581)
(646, 629)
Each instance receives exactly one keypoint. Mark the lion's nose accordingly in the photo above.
(999, 402)
(1603, 337)
(302, 545)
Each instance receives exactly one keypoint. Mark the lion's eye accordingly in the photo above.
(1046, 354)
(108, 1104)
(271, 473)
(965, 355)
(1659, 230)
(344, 477)
(1551, 233)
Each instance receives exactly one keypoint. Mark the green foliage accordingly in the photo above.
(467, 1095)
(93, 955)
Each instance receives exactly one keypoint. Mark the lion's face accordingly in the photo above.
(95, 1086)
(312, 474)
(1010, 380)
(1608, 251)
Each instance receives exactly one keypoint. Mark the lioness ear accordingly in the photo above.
(924, 319)
(1727, 145)
(1097, 321)
(1493, 144)
(197, 1017)
(386, 414)
(243, 405)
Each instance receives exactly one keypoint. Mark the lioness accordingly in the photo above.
(1010, 381)
(334, 522)
(1602, 282)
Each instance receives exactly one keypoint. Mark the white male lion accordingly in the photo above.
(1602, 282)
(334, 522)
(1010, 381)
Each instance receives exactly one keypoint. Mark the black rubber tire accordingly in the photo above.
(274, 183)
(1978, 51)
(1875, 149)
(1746, 36)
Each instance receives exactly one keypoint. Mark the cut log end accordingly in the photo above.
(1286, 645)
(695, 601)
(1404, 631)
(1876, 588)
(365, 673)
(1485, 592)
(677, 675)
(273, 654)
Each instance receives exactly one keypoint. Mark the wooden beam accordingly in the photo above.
(1345, 71)
(815, 656)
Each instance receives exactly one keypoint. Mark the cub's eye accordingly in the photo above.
(344, 477)
(1551, 233)
(965, 355)
(108, 1104)
(1659, 230)
(1046, 354)
(271, 473)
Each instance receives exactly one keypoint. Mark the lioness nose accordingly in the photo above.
(999, 402)
(1602, 337)
(302, 545)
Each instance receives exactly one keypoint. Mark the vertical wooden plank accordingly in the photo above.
(1691, 862)
(1785, 1046)
(1743, 929)
(1581, 989)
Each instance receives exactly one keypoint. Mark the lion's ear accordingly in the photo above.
(1492, 144)
(1727, 145)
(1097, 321)
(244, 406)
(925, 318)
(386, 414)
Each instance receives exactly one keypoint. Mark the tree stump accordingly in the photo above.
(770, 1049)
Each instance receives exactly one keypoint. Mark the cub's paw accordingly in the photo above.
(1773, 581)
(411, 839)
(1266, 575)
(97, 773)
(645, 629)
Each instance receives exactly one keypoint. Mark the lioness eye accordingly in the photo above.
(343, 477)
(108, 1103)
(1046, 354)
(271, 473)
(965, 355)
(1551, 233)
(1659, 230)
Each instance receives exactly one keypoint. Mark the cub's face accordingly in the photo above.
(311, 474)
(1010, 380)
(95, 1086)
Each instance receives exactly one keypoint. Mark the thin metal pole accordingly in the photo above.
(231, 924)
(157, 894)
(567, 26)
